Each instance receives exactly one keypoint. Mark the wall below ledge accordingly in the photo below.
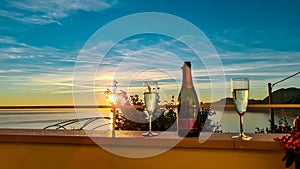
(45, 151)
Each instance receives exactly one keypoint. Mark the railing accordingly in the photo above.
(86, 121)
(205, 105)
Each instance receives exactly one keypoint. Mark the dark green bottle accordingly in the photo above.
(188, 107)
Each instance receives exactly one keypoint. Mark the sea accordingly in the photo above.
(227, 121)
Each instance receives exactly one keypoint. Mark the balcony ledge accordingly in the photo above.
(134, 138)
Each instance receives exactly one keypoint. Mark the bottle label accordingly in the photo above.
(187, 123)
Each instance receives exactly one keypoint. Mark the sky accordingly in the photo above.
(41, 43)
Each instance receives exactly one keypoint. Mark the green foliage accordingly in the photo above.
(131, 118)
(206, 124)
(282, 127)
(135, 118)
(164, 119)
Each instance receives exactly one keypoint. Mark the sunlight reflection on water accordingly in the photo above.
(38, 119)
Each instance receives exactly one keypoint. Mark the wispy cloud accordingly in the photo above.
(14, 49)
(261, 61)
(10, 71)
(51, 11)
(50, 70)
(26, 67)
(10, 14)
(262, 67)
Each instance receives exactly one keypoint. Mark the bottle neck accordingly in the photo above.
(187, 81)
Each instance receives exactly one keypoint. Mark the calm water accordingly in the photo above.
(230, 121)
(38, 119)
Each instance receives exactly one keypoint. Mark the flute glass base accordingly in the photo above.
(242, 137)
(149, 134)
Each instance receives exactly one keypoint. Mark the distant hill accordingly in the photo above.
(229, 100)
(281, 96)
(285, 96)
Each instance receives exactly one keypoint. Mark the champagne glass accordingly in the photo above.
(240, 95)
(150, 98)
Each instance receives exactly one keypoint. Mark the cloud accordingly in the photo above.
(51, 11)
(50, 70)
(135, 60)
(10, 14)
(53, 83)
(261, 61)
(10, 71)
(13, 49)
(31, 68)
(262, 67)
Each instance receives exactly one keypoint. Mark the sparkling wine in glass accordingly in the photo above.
(150, 99)
(240, 95)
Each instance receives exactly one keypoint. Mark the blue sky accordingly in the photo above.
(41, 40)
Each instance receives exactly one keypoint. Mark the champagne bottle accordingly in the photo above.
(188, 105)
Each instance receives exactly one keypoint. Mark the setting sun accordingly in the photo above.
(112, 99)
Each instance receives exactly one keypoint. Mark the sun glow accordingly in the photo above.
(112, 99)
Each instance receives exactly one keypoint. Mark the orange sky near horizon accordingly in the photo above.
(32, 98)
